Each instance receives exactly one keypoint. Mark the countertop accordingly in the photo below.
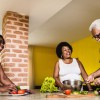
(42, 96)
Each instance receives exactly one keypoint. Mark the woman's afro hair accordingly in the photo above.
(59, 48)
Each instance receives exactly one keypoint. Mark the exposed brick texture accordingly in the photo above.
(14, 57)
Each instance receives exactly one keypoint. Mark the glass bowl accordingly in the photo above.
(75, 85)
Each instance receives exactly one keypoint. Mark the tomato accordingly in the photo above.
(21, 91)
(13, 92)
(68, 92)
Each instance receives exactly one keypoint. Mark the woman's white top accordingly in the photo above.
(69, 71)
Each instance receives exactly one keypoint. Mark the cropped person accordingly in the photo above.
(6, 84)
(95, 30)
(68, 68)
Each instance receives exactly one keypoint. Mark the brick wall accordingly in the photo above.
(15, 55)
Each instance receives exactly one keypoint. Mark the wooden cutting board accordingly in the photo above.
(68, 96)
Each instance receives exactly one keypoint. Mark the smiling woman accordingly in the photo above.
(2, 42)
(7, 84)
(67, 68)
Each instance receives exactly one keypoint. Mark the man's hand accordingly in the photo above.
(90, 79)
(97, 81)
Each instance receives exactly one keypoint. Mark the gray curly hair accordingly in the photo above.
(95, 24)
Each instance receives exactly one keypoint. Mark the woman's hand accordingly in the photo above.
(62, 87)
(5, 88)
(8, 88)
(13, 87)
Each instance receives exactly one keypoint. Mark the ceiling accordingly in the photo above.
(53, 21)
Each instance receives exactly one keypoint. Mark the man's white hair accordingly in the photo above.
(95, 24)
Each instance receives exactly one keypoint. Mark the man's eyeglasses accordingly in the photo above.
(96, 36)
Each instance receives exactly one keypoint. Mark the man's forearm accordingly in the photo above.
(96, 73)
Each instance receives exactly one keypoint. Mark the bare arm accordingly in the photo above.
(96, 73)
(3, 78)
(56, 76)
(84, 74)
(7, 84)
(92, 76)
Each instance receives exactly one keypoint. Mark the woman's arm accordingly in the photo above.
(56, 76)
(84, 74)
(3, 78)
(7, 84)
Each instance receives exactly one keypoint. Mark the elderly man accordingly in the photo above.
(95, 30)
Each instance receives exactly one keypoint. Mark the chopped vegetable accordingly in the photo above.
(18, 87)
(76, 92)
(84, 92)
(97, 91)
(48, 85)
(80, 92)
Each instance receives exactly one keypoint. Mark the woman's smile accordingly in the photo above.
(66, 52)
